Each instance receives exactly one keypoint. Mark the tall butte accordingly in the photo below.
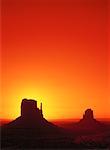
(29, 110)
(31, 117)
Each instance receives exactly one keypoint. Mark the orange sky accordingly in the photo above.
(55, 51)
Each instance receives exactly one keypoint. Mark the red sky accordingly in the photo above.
(56, 51)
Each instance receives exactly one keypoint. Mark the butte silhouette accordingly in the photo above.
(31, 117)
(31, 130)
(89, 123)
(88, 119)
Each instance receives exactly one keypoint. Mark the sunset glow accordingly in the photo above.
(56, 52)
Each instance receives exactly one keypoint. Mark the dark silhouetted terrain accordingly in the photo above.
(31, 130)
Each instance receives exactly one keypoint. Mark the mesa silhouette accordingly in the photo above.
(32, 117)
(30, 130)
(88, 120)
(88, 124)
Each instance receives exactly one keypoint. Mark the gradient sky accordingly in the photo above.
(55, 51)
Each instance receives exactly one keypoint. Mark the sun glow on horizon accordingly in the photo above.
(50, 109)
(55, 52)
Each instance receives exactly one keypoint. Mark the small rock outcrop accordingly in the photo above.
(88, 117)
(88, 121)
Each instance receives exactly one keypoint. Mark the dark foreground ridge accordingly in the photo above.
(32, 131)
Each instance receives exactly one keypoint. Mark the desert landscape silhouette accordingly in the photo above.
(55, 52)
(32, 131)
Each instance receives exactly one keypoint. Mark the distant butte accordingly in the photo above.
(88, 121)
(88, 115)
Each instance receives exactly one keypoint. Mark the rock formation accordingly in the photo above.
(88, 121)
(31, 117)
(88, 115)
(30, 110)
(31, 130)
